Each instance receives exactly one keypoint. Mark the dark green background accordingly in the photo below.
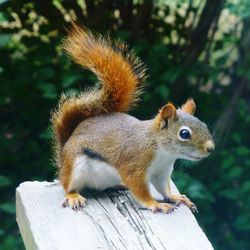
(191, 48)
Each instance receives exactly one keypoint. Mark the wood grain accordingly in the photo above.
(111, 220)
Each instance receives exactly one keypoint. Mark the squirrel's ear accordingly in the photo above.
(189, 106)
(168, 112)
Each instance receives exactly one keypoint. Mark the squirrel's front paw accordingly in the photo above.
(178, 199)
(162, 207)
(75, 201)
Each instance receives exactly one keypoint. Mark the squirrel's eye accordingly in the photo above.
(184, 134)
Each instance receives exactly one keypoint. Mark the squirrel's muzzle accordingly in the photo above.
(209, 146)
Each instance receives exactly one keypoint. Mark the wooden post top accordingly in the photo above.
(111, 220)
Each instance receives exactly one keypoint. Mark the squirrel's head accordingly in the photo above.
(182, 134)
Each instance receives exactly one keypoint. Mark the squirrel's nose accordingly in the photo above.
(209, 146)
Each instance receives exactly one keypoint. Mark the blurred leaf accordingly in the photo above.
(243, 222)
(237, 138)
(81, 3)
(246, 187)
(47, 134)
(2, 15)
(58, 4)
(3, 1)
(243, 151)
(69, 80)
(46, 73)
(48, 89)
(4, 39)
(229, 194)
(4, 181)
(8, 208)
(163, 91)
(234, 172)
(10, 243)
(170, 75)
(228, 161)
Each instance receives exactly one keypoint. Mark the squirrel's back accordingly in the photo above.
(120, 73)
(114, 136)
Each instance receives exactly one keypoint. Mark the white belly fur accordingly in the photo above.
(101, 175)
(160, 170)
(93, 174)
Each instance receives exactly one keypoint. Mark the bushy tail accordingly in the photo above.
(120, 72)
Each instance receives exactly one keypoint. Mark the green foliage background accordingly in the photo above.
(192, 48)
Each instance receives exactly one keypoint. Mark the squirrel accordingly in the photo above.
(97, 145)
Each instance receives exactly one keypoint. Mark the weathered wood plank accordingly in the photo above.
(111, 220)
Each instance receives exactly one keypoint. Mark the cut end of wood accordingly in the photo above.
(111, 220)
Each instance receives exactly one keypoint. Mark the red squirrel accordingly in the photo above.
(97, 145)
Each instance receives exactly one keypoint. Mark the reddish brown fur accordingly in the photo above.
(120, 73)
(133, 174)
(137, 185)
(65, 172)
(166, 112)
(189, 107)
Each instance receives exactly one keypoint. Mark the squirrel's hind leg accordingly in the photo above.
(72, 182)
(89, 170)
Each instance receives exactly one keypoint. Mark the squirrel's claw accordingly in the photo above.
(163, 207)
(190, 205)
(194, 209)
(175, 202)
(65, 204)
(75, 201)
(183, 199)
(178, 203)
